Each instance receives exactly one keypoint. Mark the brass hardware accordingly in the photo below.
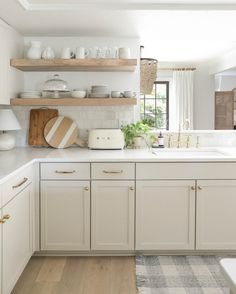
(112, 171)
(179, 137)
(169, 141)
(6, 216)
(2, 221)
(188, 141)
(64, 172)
(131, 188)
(193, 188)
(86, 188)
(199, 188)
(198, 142)
(20, 184)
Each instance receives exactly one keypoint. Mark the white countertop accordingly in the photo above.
(14, 160)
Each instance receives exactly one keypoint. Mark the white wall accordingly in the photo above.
(225, 83)
(204, 98)
(85, 117)
(11, 46)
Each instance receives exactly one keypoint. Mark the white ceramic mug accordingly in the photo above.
(116, 94)
(124, 53)
(66, 53)
(93, 52)
(129, 94)
(81, 53)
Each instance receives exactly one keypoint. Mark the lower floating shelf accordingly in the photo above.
(73, 101)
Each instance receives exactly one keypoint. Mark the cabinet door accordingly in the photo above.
(112, 215)
(165, 214)
(65, 215)
(216, 217)
(16, 238)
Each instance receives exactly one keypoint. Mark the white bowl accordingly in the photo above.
(78, 94)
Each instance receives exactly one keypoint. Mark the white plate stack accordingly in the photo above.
(31, 94)
(99, 92)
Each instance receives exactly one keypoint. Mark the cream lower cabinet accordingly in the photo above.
(216, 215)
(112, 213)
(16, 237)
(65, 215)
(165, 215)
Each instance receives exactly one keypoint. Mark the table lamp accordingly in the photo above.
(8, 122)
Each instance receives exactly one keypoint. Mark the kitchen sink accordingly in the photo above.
(187, 152)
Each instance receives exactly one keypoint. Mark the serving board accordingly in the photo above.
(38, 120)
(61, 132)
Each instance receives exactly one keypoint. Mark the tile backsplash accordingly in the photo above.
(85, 117)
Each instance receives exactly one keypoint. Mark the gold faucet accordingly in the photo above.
(198, 142)
(188, 141)
(179, 137)
(169, 141)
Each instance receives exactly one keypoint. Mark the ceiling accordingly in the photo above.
(183, 31)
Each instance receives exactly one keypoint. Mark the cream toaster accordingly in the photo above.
(106, 139)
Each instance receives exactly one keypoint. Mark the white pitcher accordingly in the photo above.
(35, 50)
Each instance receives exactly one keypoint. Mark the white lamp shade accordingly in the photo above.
(8, 120)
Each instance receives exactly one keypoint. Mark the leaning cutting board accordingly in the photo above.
(38, 120)
(61, 132)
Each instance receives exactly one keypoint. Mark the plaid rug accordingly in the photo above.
(179, 275)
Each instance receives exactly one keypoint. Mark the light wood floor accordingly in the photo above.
(78, 275)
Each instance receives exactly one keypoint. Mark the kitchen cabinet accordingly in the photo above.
(216, 217)
(65, 215)
(16, 237)
(112, 212)
(165, 215)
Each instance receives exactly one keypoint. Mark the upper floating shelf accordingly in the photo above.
(95, 64)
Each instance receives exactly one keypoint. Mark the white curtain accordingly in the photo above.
(183, 82)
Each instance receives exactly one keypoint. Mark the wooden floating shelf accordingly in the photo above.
(73, 101)
(93, 64)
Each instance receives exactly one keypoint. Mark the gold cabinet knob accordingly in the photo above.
(86, 188)
(2, 221)
(6, 216)
(193, 188)
(131, 188)
(199, 188)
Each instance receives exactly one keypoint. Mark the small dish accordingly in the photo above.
(78, 94)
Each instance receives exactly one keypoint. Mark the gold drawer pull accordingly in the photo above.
(86, 188)
(2, 221)
(6, 216)
(64, 171)
(199, 188)
(112, 171)
(131, 188)
(20, 184)
(193, 188)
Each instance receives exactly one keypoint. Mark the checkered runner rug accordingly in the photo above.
(179, 275)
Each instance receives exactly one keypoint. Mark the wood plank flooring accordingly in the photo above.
(78, 275)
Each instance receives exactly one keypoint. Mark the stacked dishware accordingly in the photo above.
(99, 92)
(31, 94)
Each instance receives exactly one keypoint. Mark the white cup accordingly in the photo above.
(81, 53)
(93, 52)
(124, 53)
(129, 94)
(66, 53)
(116, 94)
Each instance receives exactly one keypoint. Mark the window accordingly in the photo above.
(155, 107)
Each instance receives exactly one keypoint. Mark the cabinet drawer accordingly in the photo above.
(177, 171)
(16, 184)
(65, 171)
(113, 171)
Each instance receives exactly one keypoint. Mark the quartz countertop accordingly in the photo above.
(14, 160)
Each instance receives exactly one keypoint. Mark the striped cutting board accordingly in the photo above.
(61, 132)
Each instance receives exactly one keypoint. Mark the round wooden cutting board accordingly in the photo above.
(60, 132)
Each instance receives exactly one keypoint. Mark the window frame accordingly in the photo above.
(144, 98)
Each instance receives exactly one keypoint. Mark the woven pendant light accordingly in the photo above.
(148, 74)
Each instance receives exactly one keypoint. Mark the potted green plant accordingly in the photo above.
(134, 134)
